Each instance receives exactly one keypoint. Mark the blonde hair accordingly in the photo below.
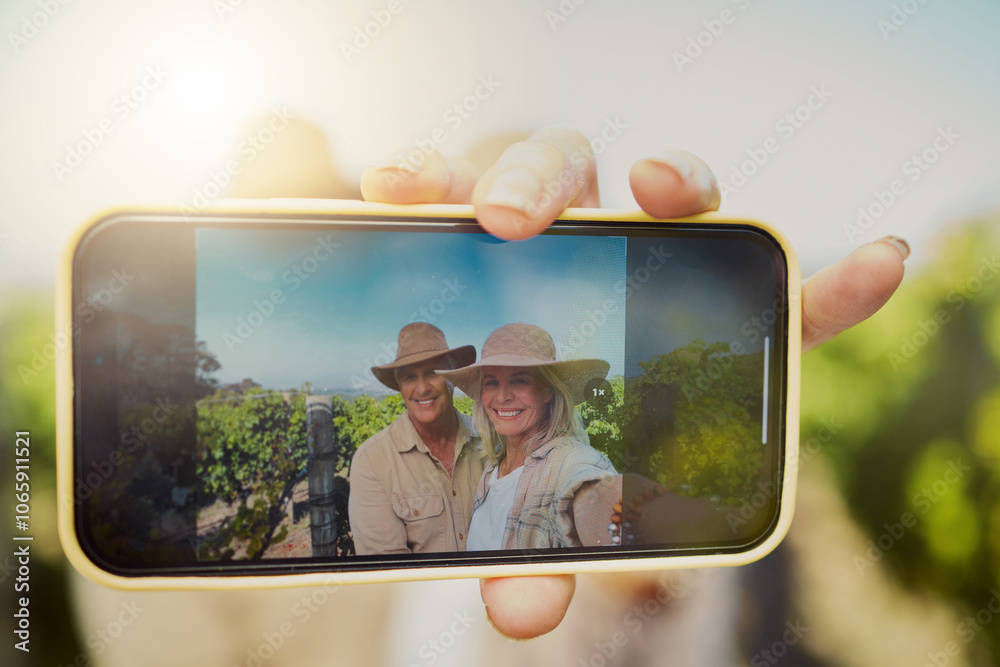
(561, 416)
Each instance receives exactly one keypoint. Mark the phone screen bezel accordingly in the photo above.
(436, 224)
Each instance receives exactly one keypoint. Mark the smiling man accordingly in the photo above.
(412, 483)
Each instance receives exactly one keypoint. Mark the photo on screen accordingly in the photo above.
(293, 320)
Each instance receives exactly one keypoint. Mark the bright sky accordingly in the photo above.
(324, 309)
(286, 307)
(156, 93)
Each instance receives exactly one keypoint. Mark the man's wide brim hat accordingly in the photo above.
(529, 346)
(419, 342)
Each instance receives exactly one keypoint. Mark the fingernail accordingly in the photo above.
(678, 163)
(898, 243)
(516, 188)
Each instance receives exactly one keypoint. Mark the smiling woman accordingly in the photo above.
(517, 402)
(541, 464)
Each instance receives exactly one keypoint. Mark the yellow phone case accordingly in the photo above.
(313, 210)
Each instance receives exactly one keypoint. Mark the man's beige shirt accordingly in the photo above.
(403, 501)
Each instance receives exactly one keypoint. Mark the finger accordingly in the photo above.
(526, 607)
(852, 290)
(674, 184)
(534, 181)
(420, 178)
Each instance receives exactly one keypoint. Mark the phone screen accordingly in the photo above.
(224, 386)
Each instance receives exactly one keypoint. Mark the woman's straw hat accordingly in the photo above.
(526, 345)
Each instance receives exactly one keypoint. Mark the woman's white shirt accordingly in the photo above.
(489, 520)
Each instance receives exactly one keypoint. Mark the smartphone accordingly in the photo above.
(221, 370)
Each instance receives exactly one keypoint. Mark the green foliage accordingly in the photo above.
(356, 421)
(916, 392)
(129, 509)
(159, 371)
(27, 381)
(27, 403)
(907, 403)
(691, 420)
(695, 414)
(464, 404)
(252, 450)
(602, 419)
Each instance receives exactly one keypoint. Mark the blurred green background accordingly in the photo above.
(893, 551)
(912, 397)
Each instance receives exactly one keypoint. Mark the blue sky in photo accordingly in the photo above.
(290, 306)
(339, 309)
(716, 290)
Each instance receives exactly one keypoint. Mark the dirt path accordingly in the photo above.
(298, 541)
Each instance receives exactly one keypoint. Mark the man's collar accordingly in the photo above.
(405, 436)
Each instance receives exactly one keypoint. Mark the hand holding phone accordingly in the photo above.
(671, 184)
(688, 183)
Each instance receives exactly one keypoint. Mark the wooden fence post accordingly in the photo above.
(322, 465)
